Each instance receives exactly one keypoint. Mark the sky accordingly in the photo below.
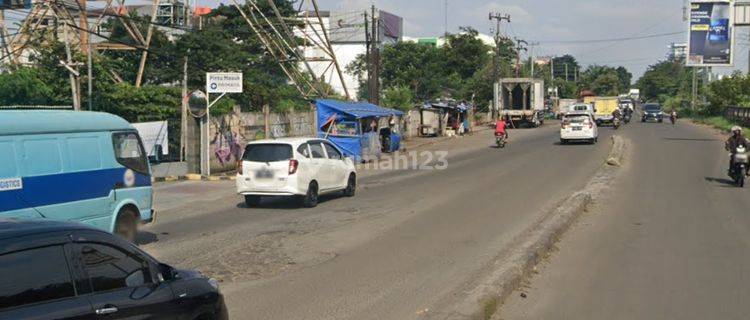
(547, 21)
(551, 23)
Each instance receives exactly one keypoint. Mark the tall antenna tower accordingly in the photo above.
(280, 36)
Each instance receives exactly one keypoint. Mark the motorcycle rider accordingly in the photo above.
(673, 116)
(617, 114)
(501, 127)
(736, 140)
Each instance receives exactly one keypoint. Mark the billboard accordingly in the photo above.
(711, 33)
(349, 27)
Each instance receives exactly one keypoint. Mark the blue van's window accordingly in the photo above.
(84, 153)
(7, 160)
(129, 151)
(42, 156)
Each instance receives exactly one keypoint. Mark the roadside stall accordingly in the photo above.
(361, 130)
(430, 121)
(444, 118)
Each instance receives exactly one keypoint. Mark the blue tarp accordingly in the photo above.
(351, 110)
(360, 146)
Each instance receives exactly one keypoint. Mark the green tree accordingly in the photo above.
(665, 79)
(605, 80)
(416, 66)
(733, 91)
(25, 87)
(399, 97)
(465, 54)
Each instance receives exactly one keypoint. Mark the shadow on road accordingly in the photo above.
(690, 139)
(575, 143)
(285, 203)
(145, 237)
(722, 181)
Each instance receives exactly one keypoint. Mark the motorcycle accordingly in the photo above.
(616, 123)
(627, 117)
(673, 119)
(501, 140)
(739, 166)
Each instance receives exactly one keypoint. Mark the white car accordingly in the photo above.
(301, 167)
(579, 126)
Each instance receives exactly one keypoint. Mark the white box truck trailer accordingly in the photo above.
(521, 100)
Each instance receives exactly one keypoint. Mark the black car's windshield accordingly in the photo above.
(652, 108)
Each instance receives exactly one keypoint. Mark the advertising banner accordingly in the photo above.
(711, 34)
(153, 134)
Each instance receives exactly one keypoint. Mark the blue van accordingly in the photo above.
(74, 165)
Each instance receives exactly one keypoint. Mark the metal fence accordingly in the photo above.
(738, 114)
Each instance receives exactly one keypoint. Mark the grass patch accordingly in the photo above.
(490, 307)
(718, 122)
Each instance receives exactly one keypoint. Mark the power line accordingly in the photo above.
(650, 36)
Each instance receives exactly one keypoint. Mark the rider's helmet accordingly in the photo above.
(737, 130)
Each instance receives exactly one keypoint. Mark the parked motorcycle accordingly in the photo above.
(739, 166)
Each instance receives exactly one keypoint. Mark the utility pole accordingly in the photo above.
(551, 70)
(446, 21)
(694, 97)
(90, 75)
(4, 38)
(374, 71)
(520, 45)
(496, 59)
(531, 56)
(368, 58)
(566, 73)
(144, 55)
(498, 40)
(83, 24)
(184, 107)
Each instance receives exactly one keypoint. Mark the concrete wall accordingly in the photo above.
(229, 133)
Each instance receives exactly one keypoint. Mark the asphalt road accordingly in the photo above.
(405, 245)
(669, 241)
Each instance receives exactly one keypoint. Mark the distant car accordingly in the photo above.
(579, 126)
(299, 167)
(652, 112)
(582, 107)
(67, 270)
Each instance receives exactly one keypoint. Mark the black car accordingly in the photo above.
(652, 112)
(63, 270)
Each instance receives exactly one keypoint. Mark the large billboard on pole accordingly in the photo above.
(711, 33)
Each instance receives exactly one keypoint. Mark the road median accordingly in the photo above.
(519, 260)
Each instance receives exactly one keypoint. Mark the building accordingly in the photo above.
(677, 52)
(440, 41)
(348, 37)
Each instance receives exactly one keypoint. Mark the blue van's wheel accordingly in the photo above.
(127, 224)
